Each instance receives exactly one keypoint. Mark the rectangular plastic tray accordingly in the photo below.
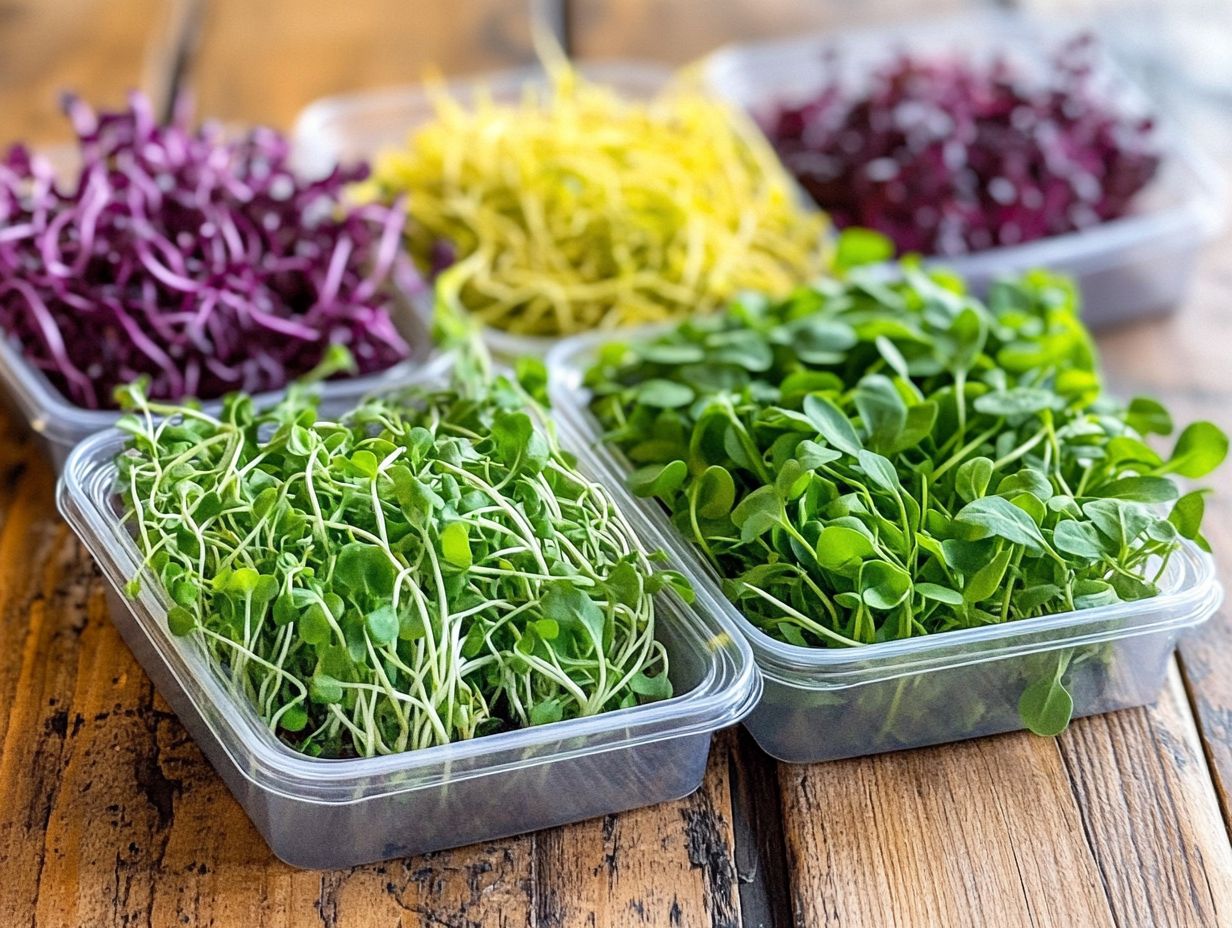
(318, 813)
(358, 126)
(824, 704)
(60, 424)
(1137, 265)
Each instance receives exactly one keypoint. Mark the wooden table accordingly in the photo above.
(110, 816)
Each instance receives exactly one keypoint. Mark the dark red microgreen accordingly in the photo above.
(946, 156)
(200, 261)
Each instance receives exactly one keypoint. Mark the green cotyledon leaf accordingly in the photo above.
(832, 424)
(758, 512)
(1201, 447)
(996, 516)
(658, 479)
(716, 492)
(1046, 706)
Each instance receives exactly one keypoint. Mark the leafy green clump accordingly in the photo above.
(867, 461)
(430, 567)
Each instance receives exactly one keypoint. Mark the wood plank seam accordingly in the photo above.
(170, 58)
(759, 849)
(1109, 760)
(1206, 737)
(557, 16)
(1165, 739)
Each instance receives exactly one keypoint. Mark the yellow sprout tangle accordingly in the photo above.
(575, 209)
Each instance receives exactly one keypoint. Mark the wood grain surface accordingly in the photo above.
(112, 817)
(100, 48)
(263, 62)
(678, 31)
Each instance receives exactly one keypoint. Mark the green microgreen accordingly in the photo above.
(431, 566)
(867, 461)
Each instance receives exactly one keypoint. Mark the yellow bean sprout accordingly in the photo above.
(575, 208)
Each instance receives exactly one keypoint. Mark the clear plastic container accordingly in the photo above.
(61, 424)
(317, 813)
(358, 126)
(1136, 265)
(824, 704)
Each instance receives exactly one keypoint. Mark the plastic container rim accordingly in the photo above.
(1193, 595)
(322, 111)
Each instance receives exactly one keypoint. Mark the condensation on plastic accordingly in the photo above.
(61, 424)
(1137, 265)
(359, 126)
(824, 704)
(317, 813)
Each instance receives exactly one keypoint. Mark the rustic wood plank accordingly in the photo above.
(668, 864)
(1115, 823)
(1152, 823)
(757, 824)
(1204, 656)
(264, 62)
(1013, 825)
(941, 836)
(98, 48)
(35, 678)
(80, 763)
(121, 820)
(685, 29)
(76, 706)
(1150, 814)
(113, 817)
(1182, 358)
